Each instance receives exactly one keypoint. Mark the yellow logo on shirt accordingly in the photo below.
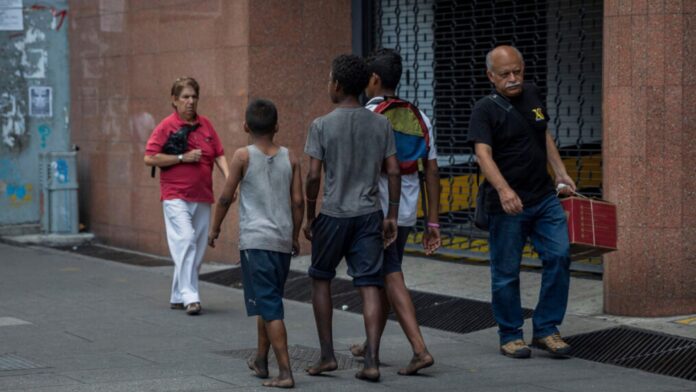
(539, 114)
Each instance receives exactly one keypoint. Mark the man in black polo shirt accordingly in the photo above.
(513, 147)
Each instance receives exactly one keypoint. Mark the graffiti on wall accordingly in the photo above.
(12, 187)
(28, 57)
(44, 133)
(26, 54)
(12, 115)
(18, 194)
(34, 56)
(58, 15)
(33, 108)
(60, 171)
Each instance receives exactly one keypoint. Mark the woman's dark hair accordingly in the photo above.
(350, 71)
(386, 63)
(261, 116)
(181, 83)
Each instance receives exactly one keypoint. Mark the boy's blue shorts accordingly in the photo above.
(358, 239)
(263, 275)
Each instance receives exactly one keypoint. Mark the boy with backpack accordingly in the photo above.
(415, 145)
(352, 145)
(270, 215)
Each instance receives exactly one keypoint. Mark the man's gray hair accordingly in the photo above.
(489, 56)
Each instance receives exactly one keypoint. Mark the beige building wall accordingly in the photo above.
(125, 54)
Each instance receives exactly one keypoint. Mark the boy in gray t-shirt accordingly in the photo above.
(353, 145)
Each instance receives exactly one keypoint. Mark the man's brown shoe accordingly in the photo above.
(554, 344)
(193, 309)
(516, 349)
(176, 306)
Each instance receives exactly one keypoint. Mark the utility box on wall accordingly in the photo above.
(58, 177)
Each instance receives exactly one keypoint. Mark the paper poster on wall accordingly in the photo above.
(40, 101)
(11, 18)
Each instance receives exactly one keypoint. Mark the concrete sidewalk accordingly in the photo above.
(83, 324)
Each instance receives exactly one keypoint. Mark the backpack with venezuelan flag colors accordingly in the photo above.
(410, 132)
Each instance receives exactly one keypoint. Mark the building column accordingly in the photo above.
(649, 155)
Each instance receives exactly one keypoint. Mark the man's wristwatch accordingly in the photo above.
(181, 157)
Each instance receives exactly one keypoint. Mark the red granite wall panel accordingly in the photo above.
(124, 58)
(656, 232)
(292, 44)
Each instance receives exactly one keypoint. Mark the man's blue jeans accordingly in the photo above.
(545, 223)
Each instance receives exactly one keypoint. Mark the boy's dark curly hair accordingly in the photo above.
(350, 71)
(386, 63)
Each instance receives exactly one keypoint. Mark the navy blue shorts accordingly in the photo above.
(358, 239)
(394, 254)
(263, 275)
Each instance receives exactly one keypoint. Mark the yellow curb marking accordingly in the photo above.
(687, 321)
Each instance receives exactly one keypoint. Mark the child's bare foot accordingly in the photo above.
(259, 366)
(278, 382)
(368, 374)
(418, 362)
(358, 349)
(322, 366)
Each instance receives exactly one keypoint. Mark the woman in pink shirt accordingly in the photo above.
(186, 188)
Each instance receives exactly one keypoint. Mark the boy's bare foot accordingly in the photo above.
(418, 362)
(259, 366)
(280, 383)
(322, 366)
(368, 374)
(358, 349)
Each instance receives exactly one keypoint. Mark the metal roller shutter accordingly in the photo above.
(444, 43)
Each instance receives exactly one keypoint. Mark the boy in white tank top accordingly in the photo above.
(271, 207)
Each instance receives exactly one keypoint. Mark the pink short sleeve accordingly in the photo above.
(156, 141)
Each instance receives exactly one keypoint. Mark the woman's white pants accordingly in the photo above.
(187, 234)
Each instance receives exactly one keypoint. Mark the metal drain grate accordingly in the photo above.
(301, 357)
(13, 362)
(227, 277)
(638, 349)
(112, 254)
(443, 312)
(457, 314)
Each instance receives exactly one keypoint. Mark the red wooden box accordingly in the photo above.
(591, 226)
